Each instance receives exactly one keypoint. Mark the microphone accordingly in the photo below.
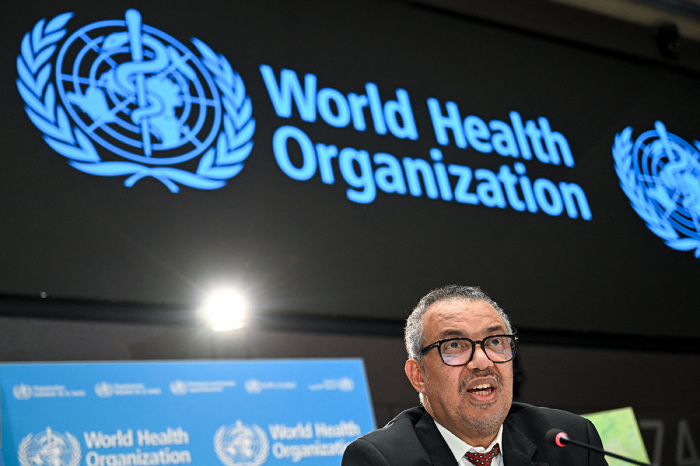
(559, 438)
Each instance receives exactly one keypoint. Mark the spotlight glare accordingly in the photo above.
(225, 310)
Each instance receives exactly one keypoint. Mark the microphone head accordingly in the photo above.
(556, 436)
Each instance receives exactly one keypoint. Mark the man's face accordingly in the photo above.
(471, 401)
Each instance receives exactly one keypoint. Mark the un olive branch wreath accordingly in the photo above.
(23, 450)
(218, 164)
(221, 453)
(622, 154)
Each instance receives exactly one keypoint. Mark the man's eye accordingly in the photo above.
(496, 342)
(455, 345)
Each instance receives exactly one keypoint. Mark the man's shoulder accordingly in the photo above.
(534, 422)
(397, 427)
(530, 413)
(404, 441)
(525, 433)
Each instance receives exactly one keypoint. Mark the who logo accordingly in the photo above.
(241, 445)
(120, 98)
(49, 447)
(660, 174)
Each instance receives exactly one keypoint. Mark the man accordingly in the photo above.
(460, 347)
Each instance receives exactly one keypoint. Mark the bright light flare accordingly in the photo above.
(225, 310)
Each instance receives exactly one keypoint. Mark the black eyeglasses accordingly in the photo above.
(460, 351)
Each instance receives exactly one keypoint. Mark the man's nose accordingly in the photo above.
(479, 359)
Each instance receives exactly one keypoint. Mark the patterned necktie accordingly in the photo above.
(483, 459)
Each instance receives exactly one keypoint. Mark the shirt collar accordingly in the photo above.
(459, 447)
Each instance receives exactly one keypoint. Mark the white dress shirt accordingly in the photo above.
(460, 448)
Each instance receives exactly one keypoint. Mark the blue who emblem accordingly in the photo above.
(157, 108)
(660, 174)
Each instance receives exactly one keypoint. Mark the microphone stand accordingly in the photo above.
(566, 440)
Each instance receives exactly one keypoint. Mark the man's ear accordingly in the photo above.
(414, 372)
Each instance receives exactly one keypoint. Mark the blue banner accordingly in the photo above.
(232, 413)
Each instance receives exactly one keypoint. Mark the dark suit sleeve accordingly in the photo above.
(363, 453)
(411, 439)
(593, 438)
(525, 432)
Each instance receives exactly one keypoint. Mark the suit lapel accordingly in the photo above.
(518, 449)
(433, 442)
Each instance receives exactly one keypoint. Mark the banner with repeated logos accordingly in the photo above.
(231, 413)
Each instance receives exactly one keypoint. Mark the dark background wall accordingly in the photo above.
(607, 313)
(305, 246)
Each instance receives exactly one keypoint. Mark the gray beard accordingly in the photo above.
(489, 426)
(485, 427)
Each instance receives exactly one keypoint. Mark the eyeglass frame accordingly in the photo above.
(439, 343)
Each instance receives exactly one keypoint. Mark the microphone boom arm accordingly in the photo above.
(561, 439)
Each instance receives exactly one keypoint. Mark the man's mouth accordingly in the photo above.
(482, 390)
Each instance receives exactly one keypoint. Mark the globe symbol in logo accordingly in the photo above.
(104, 389)
(22, 391)
(149, 101)
(178, 387)
(241, 445)
(49, 447)
(253, 386)
(660, 173)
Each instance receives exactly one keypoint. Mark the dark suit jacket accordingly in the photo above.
(412, 439)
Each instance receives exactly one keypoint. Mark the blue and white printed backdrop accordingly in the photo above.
(230, 413)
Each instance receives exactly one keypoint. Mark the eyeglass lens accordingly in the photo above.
(459, 352)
